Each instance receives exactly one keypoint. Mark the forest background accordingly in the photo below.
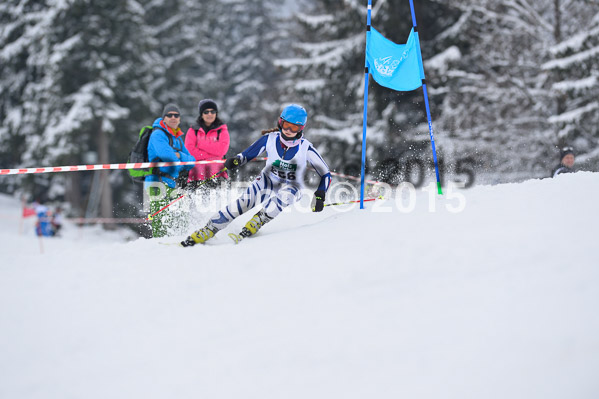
(510, 83)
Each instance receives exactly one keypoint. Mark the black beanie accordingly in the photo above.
(170, 107)
(565, 151)
(207, 104)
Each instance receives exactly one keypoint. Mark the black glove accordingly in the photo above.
(232, 163)
(319, 195)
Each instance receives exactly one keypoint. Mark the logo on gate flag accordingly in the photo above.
(386, 65)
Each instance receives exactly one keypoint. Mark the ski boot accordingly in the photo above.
(251, 227)
(200, 236)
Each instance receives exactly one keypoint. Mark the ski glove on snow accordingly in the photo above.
(232, 163)
(319, 205)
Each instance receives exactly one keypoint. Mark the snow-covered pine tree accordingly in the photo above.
(86, 85)
(222, 50)
(574, 71)
(325, 66)
(175, 28)
(27, 94)
(249, 41)
(497, 99)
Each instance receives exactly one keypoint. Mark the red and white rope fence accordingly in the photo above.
(119, 166)
(124, 166)
(106, 220)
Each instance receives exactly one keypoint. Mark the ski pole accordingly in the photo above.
(183, 195)
(353, 201)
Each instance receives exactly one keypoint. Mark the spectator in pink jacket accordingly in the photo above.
(207, 140)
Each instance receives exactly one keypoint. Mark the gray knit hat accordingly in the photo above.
(170, 107)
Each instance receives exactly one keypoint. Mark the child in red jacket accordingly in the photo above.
(206, 140)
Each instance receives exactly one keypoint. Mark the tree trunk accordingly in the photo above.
(557, 28)
(73, 193)
(560, 107)
(106, 205)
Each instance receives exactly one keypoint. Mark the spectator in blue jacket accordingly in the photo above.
(166, 145)
(43, 227)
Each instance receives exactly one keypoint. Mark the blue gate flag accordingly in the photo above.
(396, 66)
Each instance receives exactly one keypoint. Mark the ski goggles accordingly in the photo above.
(292, 127)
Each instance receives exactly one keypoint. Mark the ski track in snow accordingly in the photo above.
(497, 301)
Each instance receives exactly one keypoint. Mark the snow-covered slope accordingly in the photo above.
(498, 300)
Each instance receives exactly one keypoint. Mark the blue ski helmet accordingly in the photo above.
(295, 114)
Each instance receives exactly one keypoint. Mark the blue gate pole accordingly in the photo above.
(428, 111)
(365, 117)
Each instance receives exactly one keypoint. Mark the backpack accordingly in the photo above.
(139, 154)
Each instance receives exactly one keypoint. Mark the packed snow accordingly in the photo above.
(490, 292)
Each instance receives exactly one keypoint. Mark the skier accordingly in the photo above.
(280, 182)
(566, 162)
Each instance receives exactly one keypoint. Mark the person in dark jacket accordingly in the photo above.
(207, 140)
(166, 145)
(566, 164)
